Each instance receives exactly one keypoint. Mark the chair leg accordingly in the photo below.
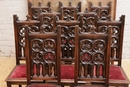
(126, 85)
(8, 84)
(20, 85)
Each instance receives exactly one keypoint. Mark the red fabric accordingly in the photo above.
(116, 73)
(19, 72)
(42, 86)
(67, 72)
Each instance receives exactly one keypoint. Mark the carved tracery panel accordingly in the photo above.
(92, 58)
(67, 42)
(21, 37)
(43, 57)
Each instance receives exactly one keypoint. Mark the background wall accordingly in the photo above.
(19, 7)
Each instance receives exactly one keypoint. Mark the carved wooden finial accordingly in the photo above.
(39, 4)
(86, 10)
(109, 4)
(49, 4)
(28, 18)
(109, 17)
(92, 28)
(70, 4)
(50, 10)
(100, 4)
(17, 18)
(90, 3)
(68, 17)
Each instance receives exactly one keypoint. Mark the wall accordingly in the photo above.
(19, 7)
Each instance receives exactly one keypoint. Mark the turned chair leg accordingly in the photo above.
(126, 85)
(8, 84)
(20, 85)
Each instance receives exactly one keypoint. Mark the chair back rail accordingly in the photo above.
(19, 32)
(43, 55)
(92, 56)
(117, 37)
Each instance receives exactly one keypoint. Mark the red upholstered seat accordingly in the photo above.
(67, 71)
(43, 85)
(19, 72)
(116, 73)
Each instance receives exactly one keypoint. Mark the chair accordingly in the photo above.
(92, 58)
(43, 58)
(18, 75)
(102, 11)
(34, 11)
(117, 74)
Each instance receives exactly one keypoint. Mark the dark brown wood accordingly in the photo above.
(102, 11)
(35, 11)
(19, 32)
(92, 57)
(117, 37)
(67, 39)
(43, 56)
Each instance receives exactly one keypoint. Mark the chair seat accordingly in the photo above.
(19, 72)
(43, 85)
(118, 76)
(116, 73)
(67, 71)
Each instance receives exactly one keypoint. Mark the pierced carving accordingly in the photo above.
(67, 41)
(92, 58)
(86, 45)
(47, 24)
(99, 45)
(49, 44)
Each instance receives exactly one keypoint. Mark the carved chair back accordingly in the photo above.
(43, 55)
(87, 19)
(48, 22)
(67, 39)
(92, 57)
(69, 12)
(19, 32)
(35, 11)
(102, 11)
(117, 37)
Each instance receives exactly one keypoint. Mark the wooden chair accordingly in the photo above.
(43, 58)
(69, 12)
(92, 58)
(35, 11)
(102, 11)
(18, 75)
(117, 75)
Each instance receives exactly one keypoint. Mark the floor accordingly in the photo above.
(7, 64)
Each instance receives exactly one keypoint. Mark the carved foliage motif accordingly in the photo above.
(43, 55)
(87, 22)
(92, 58)
(47, 24)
